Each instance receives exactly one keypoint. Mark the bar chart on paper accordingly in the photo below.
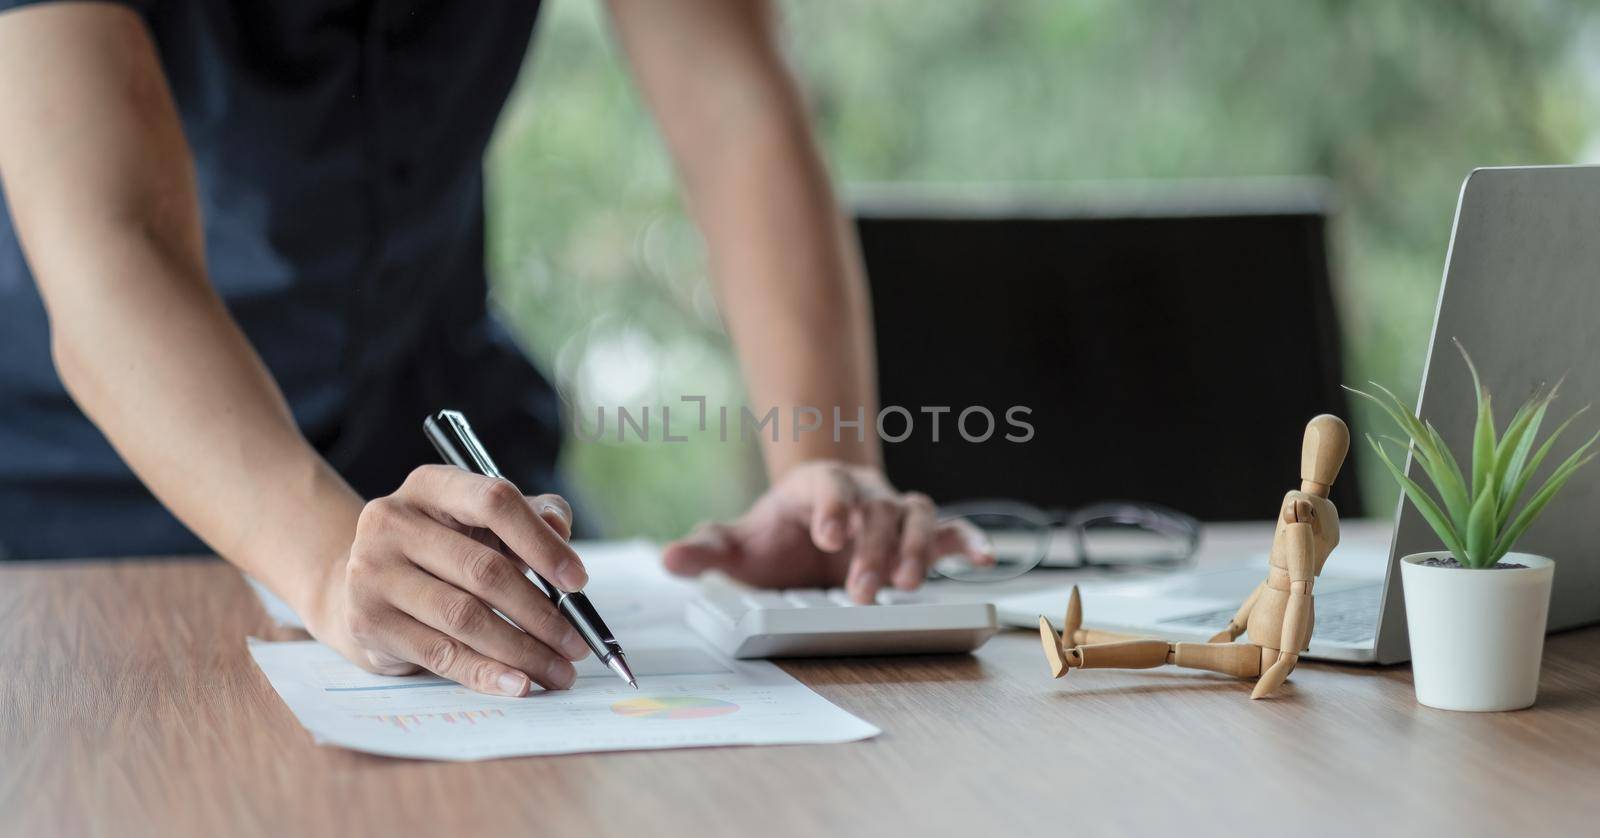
(692, 698)
(414, 721)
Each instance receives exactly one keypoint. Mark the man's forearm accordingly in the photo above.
(159, 366)
(786, 265)
(792, 290)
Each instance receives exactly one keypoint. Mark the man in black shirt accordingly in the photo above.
(243, 256)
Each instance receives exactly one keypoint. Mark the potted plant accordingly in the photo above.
(1476, 611)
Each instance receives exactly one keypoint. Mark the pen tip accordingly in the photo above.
(620, 666)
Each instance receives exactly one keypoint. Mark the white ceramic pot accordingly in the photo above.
(1476, 635)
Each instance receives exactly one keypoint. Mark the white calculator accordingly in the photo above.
(815, 622)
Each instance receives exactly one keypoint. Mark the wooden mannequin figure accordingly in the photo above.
(1277, 615)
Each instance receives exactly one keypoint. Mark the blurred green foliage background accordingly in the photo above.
(601, 273)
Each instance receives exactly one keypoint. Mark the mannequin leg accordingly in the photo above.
(1240, 660)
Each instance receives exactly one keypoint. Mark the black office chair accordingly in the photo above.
(1171, 347)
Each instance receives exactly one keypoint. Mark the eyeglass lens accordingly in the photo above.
(1017, 543)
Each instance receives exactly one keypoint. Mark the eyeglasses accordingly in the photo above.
(1113, 534)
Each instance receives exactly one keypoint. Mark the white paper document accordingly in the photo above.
(688, 696)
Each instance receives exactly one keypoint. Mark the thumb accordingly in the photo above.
(709, 547)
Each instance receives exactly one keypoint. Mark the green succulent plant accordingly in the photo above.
(1475, 521)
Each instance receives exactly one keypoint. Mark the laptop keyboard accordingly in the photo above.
(1345, 616)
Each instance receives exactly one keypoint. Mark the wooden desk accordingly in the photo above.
(128, 705)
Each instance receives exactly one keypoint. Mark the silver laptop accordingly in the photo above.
(1521, 291)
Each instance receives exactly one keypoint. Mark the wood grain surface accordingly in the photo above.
(129, 706)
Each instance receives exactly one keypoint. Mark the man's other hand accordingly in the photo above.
(826, 523)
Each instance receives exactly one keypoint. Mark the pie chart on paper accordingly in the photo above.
(673, 707)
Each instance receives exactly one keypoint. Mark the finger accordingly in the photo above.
(384, 663)
(556, 512)
(491, 576)
(916, 540)
(877, 534)
(833, 494)
(367, 575)
(464, 618)
(473, 500)
(711, 546)
(406, 639)
(959, 536)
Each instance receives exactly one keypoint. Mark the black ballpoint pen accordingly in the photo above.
(453, 437)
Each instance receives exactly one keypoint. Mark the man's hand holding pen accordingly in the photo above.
(431, 564)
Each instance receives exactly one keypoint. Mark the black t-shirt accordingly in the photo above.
(339, 148)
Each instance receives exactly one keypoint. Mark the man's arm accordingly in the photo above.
(785, 262)
(793, 291)
(102, 192)
(101, 186)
